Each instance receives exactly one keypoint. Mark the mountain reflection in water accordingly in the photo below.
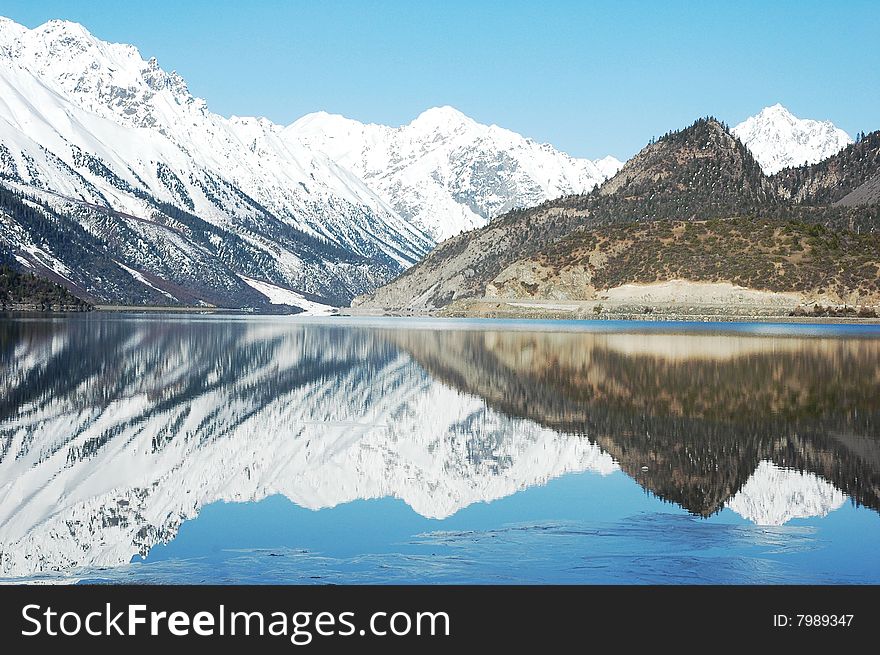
(114, 431)
(688, 416)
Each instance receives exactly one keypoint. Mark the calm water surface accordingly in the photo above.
(190, 449)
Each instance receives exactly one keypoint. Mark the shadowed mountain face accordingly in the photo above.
(690, 417)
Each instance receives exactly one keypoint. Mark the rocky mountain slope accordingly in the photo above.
(696, 171)
(446, 173)
(554, 251)
(778, 139)
(831, 266)
(849, 178)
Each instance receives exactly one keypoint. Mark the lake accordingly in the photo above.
(250, 449)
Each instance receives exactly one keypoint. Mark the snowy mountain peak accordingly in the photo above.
(61, 44)
(608, 165)
(778, 139)
(58, 28)
(319, 117)
(778, 110)
(446, 119)
(7, 25)
(321, 124)
(446, 173)
(447, 112)
(111, 80)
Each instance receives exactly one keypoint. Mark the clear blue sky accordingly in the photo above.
(592, 78)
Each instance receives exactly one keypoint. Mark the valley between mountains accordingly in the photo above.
(119, 187)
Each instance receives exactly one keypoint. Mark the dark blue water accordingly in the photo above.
(275, 450)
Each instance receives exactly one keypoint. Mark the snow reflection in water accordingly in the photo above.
(117, 432)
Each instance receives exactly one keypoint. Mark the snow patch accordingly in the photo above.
(281, 296)
(140, 278)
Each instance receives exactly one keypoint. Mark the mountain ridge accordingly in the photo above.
(697, 174)
(116, 145)
(99, 125)
(845, 178)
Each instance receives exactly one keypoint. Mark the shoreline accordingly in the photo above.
(666, 300)
(603, 310)
(164, 308)
(636, 318)
(551, 311)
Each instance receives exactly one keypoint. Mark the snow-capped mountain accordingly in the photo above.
(90, 128)
(445, 172)
(211, 411)
(774, 496)
(778, 139)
